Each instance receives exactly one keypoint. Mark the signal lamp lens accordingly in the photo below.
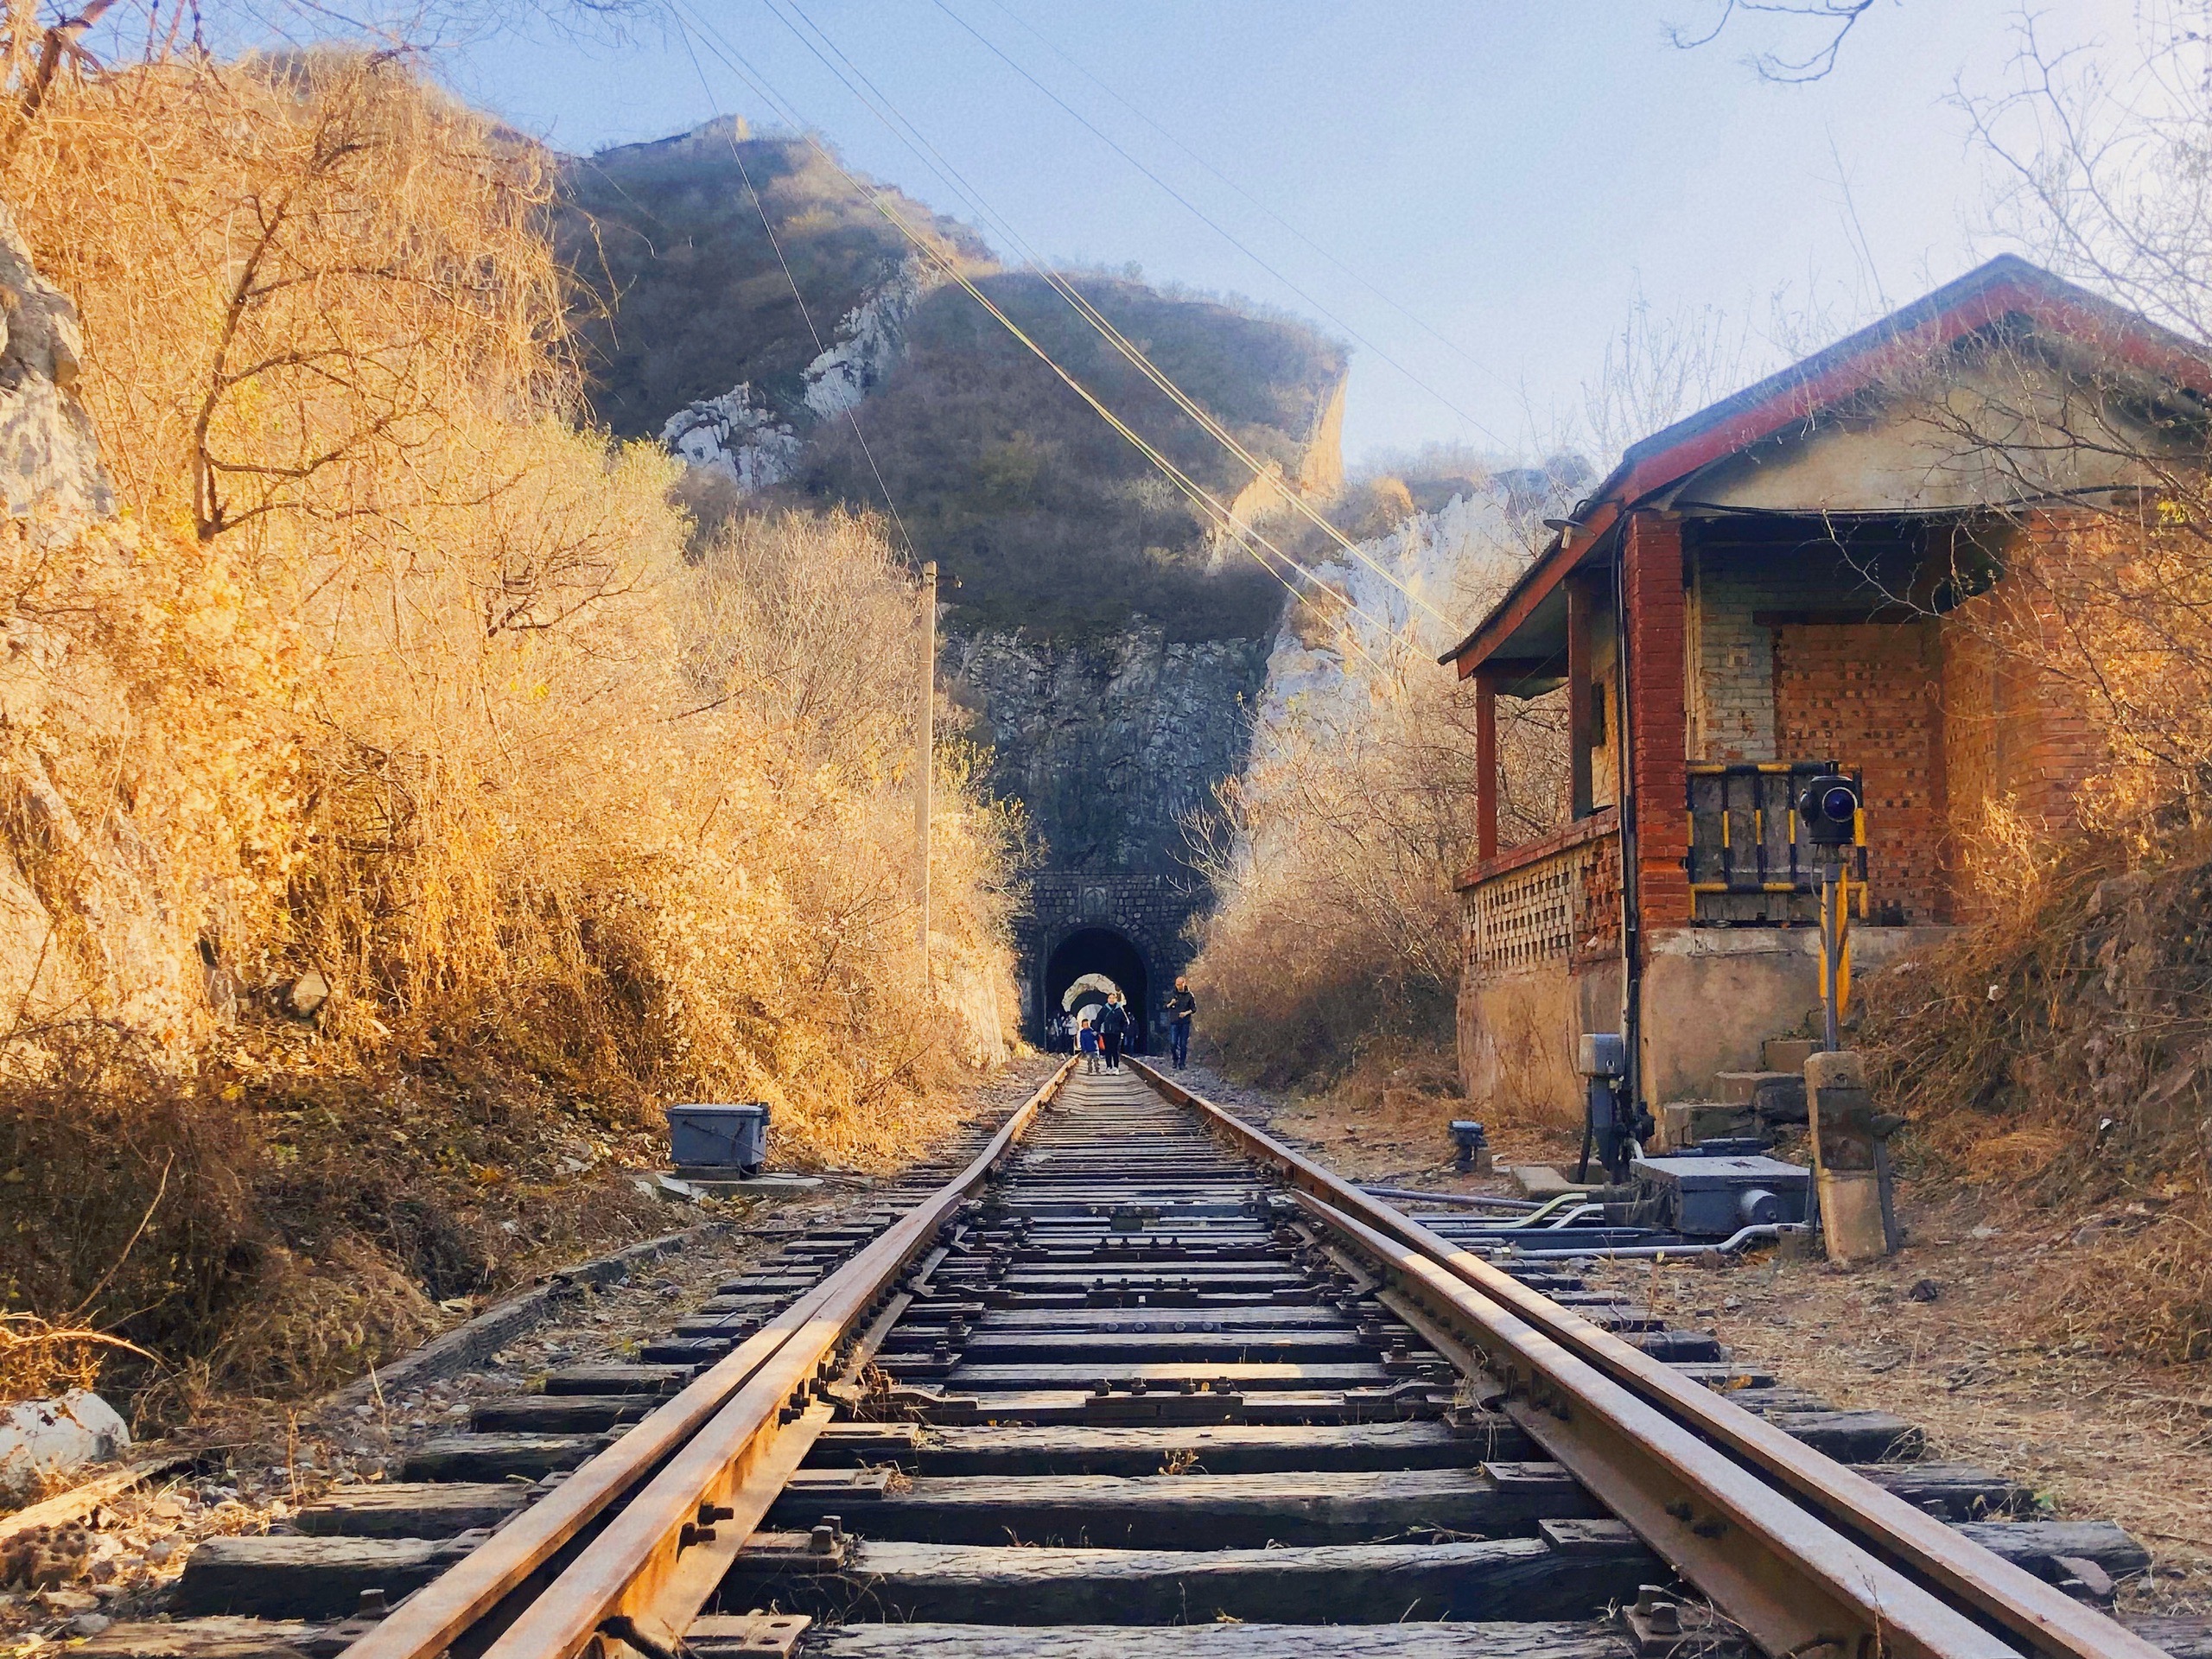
(1840, 804)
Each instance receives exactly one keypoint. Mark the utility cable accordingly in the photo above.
(1403, 310)
(918, 140)
(805, 315)
(1225, 518)
(1207, 219)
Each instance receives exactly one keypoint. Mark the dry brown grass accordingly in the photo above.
(2056, 1057)
(39, 1359)
(391, 672)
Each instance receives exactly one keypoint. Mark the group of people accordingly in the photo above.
(1101, 1030)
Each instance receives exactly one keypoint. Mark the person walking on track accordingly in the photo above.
(1181, 1005)
(1113, 1027)
(1086, 1043)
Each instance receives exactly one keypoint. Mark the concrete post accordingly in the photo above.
(1849, 1174)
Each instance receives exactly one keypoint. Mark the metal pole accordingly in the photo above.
(1831, 955)
(926, 749)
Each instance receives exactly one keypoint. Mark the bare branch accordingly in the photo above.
(1834, 20)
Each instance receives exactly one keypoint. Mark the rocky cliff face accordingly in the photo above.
(89, 926)
(49, 456)
(1111, 742)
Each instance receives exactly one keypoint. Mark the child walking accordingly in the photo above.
(1087, 1040)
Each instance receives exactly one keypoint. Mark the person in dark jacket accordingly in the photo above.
(1181, 1005)
(1113, 1027)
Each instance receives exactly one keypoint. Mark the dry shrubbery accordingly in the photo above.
(1338, 932)
(2059, 1050)
(1335, 941)
(2062, 1050)
(391, 672)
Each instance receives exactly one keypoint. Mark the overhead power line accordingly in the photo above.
(1384, 295)
(1244, 534)
(805, 315)
(1207, 219)
(904, 129)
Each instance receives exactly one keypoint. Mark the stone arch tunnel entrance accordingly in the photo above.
(1107, 954)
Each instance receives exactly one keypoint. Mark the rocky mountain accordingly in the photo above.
(891, 388)
(1112, 646)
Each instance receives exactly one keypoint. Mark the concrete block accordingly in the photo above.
(721, 1184)
(1778, 1097)
(1542, 1182)
(1844, 1069)
(1789, 1054)
(1683, 1123)
(1847, 1159)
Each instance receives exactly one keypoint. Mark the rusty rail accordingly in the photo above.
(727, 1442)
(1789, 1543)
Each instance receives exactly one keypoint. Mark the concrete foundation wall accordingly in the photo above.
(1712, 997)
(1518, 1034)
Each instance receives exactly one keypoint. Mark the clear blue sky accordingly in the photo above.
(1514, 172)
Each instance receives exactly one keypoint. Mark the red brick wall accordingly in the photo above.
(1600, 939)
(1652, 585)
(2014, 737)
(1865, 694)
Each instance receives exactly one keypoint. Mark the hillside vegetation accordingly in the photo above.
(1040, 515)
(682, 295)
(1331, 959)
(392, 815)
(1048, 518)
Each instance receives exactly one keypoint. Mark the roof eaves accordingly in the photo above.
(1818, 382)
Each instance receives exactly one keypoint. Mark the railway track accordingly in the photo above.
(1134, 1380)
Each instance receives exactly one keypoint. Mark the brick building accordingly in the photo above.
(1786, 582)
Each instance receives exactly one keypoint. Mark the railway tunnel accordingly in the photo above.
(1076, 966)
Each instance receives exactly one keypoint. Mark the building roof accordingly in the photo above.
(2007, 286)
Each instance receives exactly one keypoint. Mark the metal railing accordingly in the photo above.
(1748, 862)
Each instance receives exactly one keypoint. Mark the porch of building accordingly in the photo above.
(1806, 644)
(1794, 580)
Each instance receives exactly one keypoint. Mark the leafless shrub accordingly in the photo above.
(393, 674)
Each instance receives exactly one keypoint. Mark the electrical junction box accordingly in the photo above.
(1602, 1054)
(719, 1137)
(1714, 1197)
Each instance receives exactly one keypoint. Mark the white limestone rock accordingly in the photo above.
(736, 436)
(871, 338)
(49, 455)
(40, 1437)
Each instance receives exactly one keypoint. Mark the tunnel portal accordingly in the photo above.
(1111, 955)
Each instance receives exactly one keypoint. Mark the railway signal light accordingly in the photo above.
(1829, 806)
(1833, 812)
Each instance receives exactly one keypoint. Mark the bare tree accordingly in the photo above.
(1831, 21)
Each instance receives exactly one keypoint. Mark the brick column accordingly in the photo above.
(1485, 765)
(1578, 606)
(1652, 581)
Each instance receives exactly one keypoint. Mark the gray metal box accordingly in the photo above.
(1602, 1054)
(1711, 1197)
(718, 1137)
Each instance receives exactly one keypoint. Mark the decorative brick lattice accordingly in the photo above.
(1560, 906)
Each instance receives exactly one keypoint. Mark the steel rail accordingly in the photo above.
(746, 1379)
(2039, 1617)
(1787, 1578)
(646, 1576)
